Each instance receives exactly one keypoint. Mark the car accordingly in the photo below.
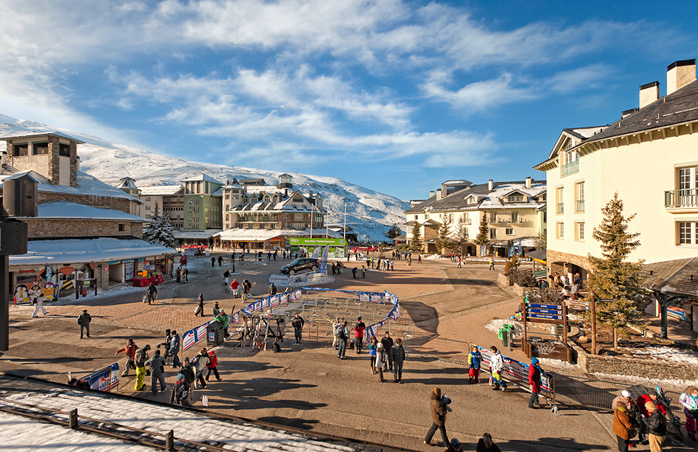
(299, 265)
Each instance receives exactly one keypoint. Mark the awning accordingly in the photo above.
(83, 251)
(262, 235)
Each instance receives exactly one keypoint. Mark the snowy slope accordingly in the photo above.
(370, 214)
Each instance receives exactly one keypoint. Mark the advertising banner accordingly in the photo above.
(104, 379)
(516, 369)
(193, 336)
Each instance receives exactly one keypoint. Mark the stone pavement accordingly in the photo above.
(443, 310)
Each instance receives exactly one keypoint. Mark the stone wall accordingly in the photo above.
(638, 367)
(81, 228)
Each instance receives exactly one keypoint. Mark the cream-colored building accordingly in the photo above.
(649, 157)
(515, 214)
(167, 199)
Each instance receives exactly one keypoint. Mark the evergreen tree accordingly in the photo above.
(483, 233)
(461, 235)
(542, 240)
(444, 241)
(613, 278)
(416, 237)
(159, 230)
(393, 232)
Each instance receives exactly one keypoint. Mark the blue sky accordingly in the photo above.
(393, 95)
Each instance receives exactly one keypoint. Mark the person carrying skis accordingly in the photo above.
(474, 360)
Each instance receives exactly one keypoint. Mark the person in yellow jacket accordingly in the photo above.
(141, 358)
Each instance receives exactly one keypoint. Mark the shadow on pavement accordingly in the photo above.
(305, 424)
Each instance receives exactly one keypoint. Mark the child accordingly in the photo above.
(474, 360)
(496, 367)
(372, 353)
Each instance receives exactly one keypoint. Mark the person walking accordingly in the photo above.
(166, 344)
(387, 342)
(200, 362)
(491, 264)
(534, 382)
(213, 262)
(363, 272)
(140, 359)
(656, 427)
(297, 325)
(343, 339)
(130, 350)
(359, 335)
(622, 425)
(151, 293)
(372, 351)
(689, 401)
(353, 272)
(200, 306)
(335, 333)
(234, 287)
(474, 361)
(174, 349)
(381, 360)
(438, 416)
(397, 356)
(496, 367)
(486, 444)
(39, 306)
(84, 322)
(226, 276)
(212, 366)
(157, 372)
(220, 260)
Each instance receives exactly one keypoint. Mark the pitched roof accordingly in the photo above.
(161, 190)
(36, 134)
(675, 277)
(201, 177)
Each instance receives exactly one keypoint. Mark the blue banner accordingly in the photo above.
(104, 379)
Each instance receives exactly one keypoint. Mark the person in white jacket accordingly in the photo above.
(496, 367)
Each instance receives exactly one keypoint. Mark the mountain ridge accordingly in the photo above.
(369, 213)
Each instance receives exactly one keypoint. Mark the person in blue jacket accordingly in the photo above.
(474, 360)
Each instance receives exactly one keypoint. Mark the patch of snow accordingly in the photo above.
(496, 324)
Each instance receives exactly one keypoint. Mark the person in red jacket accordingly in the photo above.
(130, 350)
(534, 380)
(212, 365)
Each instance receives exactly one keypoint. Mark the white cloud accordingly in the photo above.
(477, 95)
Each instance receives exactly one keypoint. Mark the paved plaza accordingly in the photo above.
(443, 310)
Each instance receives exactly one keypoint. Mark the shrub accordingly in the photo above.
(524, 278)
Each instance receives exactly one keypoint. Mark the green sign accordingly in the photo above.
(315, 241)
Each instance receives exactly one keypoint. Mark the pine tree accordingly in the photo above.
(393, 232)
(483, 233)
(444, 241)
(416, 237)
(613, 278)
(159, 230)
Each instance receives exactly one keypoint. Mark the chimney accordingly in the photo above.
(431, 193)
(680, 74)
(438, 193)
(626, 113)
(490, 185)
(528, 182)
(649, 93)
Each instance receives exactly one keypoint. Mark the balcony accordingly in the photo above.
(570, 168)
(681, 199)
(580, 205)
(561, 207)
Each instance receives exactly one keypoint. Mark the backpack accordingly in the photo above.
(343, 333)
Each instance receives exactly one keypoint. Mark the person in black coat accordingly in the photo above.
(387, 342)
(485, 444)
(656, 426)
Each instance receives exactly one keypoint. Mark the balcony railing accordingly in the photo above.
(570, 168)
(681, 198)
(580, 205)
(561, 207)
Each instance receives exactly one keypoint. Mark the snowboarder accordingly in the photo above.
(84, 322)
(474, 360)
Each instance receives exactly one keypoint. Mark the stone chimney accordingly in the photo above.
(680, 74)
(649, 93)
(490, 185)
(431, 193)
(528, 182)
(438, 193)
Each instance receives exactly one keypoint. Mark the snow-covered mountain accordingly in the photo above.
(369, 213)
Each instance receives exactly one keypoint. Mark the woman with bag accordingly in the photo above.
(623, 426)
(381, 360)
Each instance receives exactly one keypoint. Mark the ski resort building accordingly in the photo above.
(84, 230)
(649, 157)
(515, 214)
(261, 216)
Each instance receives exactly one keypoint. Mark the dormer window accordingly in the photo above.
(515, 197)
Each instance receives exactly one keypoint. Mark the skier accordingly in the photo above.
(474, 360)
(130, 350)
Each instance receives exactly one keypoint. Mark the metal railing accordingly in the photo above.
(681, 198)
(570, 168)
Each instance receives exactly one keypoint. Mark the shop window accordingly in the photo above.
(64, 149)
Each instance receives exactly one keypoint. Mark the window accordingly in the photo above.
(122, 227)
(509, 231)
(493, 217)
(515, 197)
(559, 199)
(416, 217)
(688, 233)
(579, 197)
(40, 148)
(560, 231)
(579, 231)
(493, 233)
(64, 149)
(515, 217)
(20, 150)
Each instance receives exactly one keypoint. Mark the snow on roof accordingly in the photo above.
(192, 425)
(35, 134)
(127, 182)
(207, 234)
(77, 251)
(65, 209)
(201, 177)
(261, 235)
(161, 190)
(86, 185)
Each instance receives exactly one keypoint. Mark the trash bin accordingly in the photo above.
(506, 337)
(499, 333)
(215, 334)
